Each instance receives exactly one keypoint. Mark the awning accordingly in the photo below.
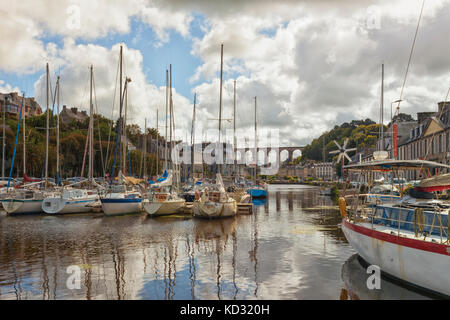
(388, 165)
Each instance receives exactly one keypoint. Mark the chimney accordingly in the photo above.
(423, 116)
(74, 110)
(64, 107)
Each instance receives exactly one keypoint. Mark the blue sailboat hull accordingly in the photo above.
(257, 193)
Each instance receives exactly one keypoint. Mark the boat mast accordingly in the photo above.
(170, 111)
(172, 124)
(91, 133)
(125, 142)
(382, 108)
(57, 134)
(47, 128)
(24, 146)
(157, 141)
(193, 137)
(234, 129)
(145, 148)
(219, 167)
(121, 107)
(4, 142)
(167, 105)
(256, 146)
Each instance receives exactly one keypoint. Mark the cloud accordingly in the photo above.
(322, 67)
(143, 98)
(7, 88)
(26, 25)
(311, 64)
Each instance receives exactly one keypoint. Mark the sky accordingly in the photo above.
(311, 64)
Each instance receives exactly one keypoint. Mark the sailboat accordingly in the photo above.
(259, 189)
(163, 197)
(69, 199)
(407, 238)
(213, 201)
(27, 200)
(120, 198)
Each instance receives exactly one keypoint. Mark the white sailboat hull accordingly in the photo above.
(422, 263)
(31, 206)
(210, 209)
(156, 208)
(112, 208)
(67, 206)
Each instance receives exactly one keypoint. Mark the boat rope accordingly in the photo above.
(98, 129)
(112, 112)
(15, 145)
(85, 152)
(409, 60)
(129, 162)
(117, 137)
(419, 221)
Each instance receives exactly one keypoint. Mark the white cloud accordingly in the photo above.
(143, 98)
(311, 64)
(323, 67)
(25, 24)
(7, 88)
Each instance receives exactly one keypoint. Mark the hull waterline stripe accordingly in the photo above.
(402, 241)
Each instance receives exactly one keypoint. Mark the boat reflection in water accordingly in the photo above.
(354, 275)
(259, 201)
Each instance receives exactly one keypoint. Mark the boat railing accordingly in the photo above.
(424, 222)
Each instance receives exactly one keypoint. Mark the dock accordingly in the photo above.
(242, 208)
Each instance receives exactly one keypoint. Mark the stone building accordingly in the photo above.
(67, 115)
(429, 139)
(324, 171)
(11, 102)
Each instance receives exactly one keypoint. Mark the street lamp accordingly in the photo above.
(396, 101)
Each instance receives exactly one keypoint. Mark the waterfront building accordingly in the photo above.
(11, 102)
(325, 171)
(429, 139)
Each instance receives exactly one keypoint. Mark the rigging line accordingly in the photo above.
(98, 126)
(409, 60)
(112, 111)
(85, 89)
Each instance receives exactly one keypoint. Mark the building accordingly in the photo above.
(429, 139)
(68, 115)
(325, 171)
(11, 102)
(403, 131)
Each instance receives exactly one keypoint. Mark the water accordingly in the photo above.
(290, 248)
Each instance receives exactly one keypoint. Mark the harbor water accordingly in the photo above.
(291, 247)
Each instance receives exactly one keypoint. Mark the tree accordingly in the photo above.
(402, 117)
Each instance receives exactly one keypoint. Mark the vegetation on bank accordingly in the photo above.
(72, 147)
(362, 134)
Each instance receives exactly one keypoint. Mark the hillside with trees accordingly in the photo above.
(72, 146)
(362, 134)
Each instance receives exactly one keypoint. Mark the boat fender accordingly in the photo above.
(197, 196)
(342, 206)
